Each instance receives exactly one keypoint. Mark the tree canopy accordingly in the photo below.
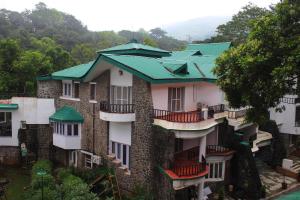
(265, 67)
(237, 29)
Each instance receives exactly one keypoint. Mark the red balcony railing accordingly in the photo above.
(189, 169)
(116, 108)
(216, 149)
(181, 117)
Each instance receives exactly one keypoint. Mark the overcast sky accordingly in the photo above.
(134, 14)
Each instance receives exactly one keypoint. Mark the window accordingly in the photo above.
(176, 99)
(297, 118)
(178, 144)
(216, 170)
(75, 133)
(76, 90)
(5, 124)
(73, 158)
(121, 95)
(92, 91)
(122, 152)
(67, 89)
(88, 161)
(66, 129)
(69, 129)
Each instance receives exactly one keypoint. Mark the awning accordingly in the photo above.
(66, 114)
(8, 106)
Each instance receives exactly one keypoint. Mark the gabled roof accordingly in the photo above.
(209, 48)
(194, 64)
(75, 72)
(134, 48)
(67, 114)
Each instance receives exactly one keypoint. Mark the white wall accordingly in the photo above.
(67, 142)
(190, 143)
(286, 119)
(120, 80)
(120, 132)
(31, 110)
(207, 93)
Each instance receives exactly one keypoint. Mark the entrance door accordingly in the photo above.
(73, 158)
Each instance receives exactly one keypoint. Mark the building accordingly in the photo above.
(156, 116)
(288, 120)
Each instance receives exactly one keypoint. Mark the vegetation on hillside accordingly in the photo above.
(43, 40)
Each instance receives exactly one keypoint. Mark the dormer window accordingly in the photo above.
(70, 89)
(67, 88)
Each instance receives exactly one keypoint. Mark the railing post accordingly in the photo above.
(205, 113)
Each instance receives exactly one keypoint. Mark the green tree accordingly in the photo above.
(238, 28)
(264, 68)
(157, 33)
(83, 53)
(149, 41)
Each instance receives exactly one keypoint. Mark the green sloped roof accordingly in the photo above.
(134, 48)
(209, 48)
(75, 72)
(66, 114)
(154, 70)
(9, 106)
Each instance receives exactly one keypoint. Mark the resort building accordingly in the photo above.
(157, 117)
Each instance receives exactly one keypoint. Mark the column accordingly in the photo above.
(201, 190)
(202, 148)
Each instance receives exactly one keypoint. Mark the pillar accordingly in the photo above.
(201, 190)
(202, 148)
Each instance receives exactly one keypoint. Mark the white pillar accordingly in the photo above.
(205, 113)
(202, 148)
(201, 190)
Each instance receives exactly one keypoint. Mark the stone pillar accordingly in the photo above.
(201, 190)
(202, 148)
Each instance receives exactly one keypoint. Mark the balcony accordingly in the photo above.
(179, 117)
(216, 150)
(66, 142)
(117, 112)
(186, 170)
(235, 114)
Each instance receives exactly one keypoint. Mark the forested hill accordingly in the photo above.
(43, 40)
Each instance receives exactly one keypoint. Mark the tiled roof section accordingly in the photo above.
(209, 48)
(4, 106)
(67, 114)
(75, 72)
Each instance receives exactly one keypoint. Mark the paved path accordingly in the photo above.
(271, 179)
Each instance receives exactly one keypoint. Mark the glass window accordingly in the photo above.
(176, 99)
(5, 124)
(113, 149)
(2, 117)
(118, 150)
(76, 90)
(297, 117)
(124, 156)
(75, 129)
(92, 91)
(69, 129)
(88, 161)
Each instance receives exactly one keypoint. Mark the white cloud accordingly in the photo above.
(134, 14)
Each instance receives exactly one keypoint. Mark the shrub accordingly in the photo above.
(63, 173)
(49, 194)
(43, 181)
(41, 165)
(90, 174)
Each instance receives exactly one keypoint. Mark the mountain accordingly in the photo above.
(195, 29)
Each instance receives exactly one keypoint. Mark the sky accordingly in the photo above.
(99, 15)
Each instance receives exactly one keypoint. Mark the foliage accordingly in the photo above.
(42, 165)
(278, 148)
(238, 28)
(264, 68)
(73, 188)
(89, 175)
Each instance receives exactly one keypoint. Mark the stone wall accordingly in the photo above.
(49, 89)
(9, 155)
(44, 139)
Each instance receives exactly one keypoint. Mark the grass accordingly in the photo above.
(18, 179)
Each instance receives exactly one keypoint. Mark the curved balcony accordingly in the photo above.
(185, 169)
(117, 112)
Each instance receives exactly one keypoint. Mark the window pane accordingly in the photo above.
(119, 151)
(2, 116)
(75, 129)
(220, 169)
(69, 89)
(113, 149)
(76, 90)
(216, 170)
(92, 91)
(69, 129)
(124, 160)
(211, 169)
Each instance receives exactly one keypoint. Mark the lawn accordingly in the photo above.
(18, 179)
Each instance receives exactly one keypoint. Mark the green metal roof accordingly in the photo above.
(209, 48)
(75, 72)
(9, 106)
(134, 48)
(67, 114)
(194, 64)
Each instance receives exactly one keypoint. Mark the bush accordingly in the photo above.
(49, 194)
(63, 173)
(41, 165)
(73, 188)
(90, 174)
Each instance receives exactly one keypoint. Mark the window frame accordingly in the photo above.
(117, 149)
(76, 88)
(176, 98)
(93, 88)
